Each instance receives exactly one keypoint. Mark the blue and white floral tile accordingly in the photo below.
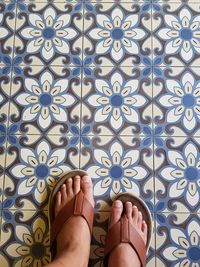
(7, 30)
(178, 240)
(49, 33)
(118, 165)
(176, 33)
(98, 242)
(45, 101)
(24, 238)
(176, 108)
(177, 170)
(33, 164)
(117, 34)
(116, 101)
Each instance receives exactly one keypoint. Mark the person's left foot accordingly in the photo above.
(75, 234)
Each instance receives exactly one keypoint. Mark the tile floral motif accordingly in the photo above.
(177, 181)
(116, 34)
(177, 33)
(49, 33)
(177, 240)
(25, 239)
(34, 164)
(177, 101)
(46, 100)
(118, 165)
(116, 100)
(7, 28)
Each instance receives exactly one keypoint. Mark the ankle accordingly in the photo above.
(123, 255)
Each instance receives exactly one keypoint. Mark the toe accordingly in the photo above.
(140, 220)
(135, 214)
(58, 203)
(144, 230)
(69, 185)
(87, 188)
(116, 212)
(77, 184)
(128, 208)
(63, 194)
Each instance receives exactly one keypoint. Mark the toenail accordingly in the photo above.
(134, 207)
(63, 186)
(69, 180)
(140, 213)
(117, 203)
(129, 203)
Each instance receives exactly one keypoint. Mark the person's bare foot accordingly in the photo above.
(75, 234)
(123, 254)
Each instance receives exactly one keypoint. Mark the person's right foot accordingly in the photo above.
(75, 234)
(124, 254)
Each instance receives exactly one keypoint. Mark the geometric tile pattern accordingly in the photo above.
(112, 87)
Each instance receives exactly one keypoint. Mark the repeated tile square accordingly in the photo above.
(7, 28)
(176, 106)
(49, 33)
(100, 229)
(176, 34)
(33, 164)
(116, 101)
(46, 100)
(118, 165)
(177, 239)
(24, 238)
(117, 34)
(177, 170)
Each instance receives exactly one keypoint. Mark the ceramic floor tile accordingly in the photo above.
(117, 34)
(100, 229)
(177, 240)
(176, 108)
(45, 101)
(7, 30)
(177, 166)
(24, 238)
(111, 87)
(176, 34)
(116, 101)
(33, 165)
(49, 33)
(118, 165)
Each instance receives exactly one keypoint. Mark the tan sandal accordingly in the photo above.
(78, 206)
(124, 232)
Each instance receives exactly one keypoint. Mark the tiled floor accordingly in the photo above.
(113, 88)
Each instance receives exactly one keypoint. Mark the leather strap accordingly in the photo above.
(78, 206)
(124, 232)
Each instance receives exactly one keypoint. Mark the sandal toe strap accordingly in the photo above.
(124, 232)
(78, 206)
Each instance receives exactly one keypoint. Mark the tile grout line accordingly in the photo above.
(81, 106)
(7, 123)
(153, 127)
